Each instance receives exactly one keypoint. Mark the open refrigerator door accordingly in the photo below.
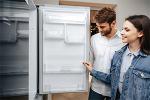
(63, 46)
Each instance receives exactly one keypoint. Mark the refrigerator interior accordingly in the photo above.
(14, 44)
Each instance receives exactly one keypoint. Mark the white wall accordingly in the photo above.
(130, 7)
(125, 7)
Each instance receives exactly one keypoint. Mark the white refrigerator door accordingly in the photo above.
(63, 46)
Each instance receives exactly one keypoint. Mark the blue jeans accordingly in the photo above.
(95, 96)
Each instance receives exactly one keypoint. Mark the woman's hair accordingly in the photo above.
(142, 23)
(106, 14)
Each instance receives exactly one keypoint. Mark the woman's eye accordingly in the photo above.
(127, 30)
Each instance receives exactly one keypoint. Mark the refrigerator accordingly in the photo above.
(14, 48)
(53, 41)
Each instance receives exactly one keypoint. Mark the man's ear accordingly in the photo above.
(113, 24)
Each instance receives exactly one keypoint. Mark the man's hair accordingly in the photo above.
(105, 15)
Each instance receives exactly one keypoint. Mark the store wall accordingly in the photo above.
(124, 7)
(43, 2)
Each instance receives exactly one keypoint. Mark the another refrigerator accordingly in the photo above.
(14, 48)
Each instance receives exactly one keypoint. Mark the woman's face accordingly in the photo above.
(129, 33)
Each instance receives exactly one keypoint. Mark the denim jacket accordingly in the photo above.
(136, 84)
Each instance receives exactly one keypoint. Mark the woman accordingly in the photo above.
(130, 67)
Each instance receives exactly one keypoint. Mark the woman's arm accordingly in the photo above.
(101, 76)
(97, 74)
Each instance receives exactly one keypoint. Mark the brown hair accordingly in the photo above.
(106, 14)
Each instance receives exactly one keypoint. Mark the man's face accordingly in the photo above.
(104, 28)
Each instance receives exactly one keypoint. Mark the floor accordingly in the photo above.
(59, 96)
(70, 96)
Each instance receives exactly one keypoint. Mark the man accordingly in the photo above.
(103, 44)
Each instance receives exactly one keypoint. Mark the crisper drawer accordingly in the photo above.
(64, 82)
(14, 84)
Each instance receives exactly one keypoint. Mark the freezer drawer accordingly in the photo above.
(63, 46)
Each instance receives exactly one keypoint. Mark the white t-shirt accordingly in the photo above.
(103, 50)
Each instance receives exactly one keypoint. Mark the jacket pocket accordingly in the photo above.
(141, 85)
(141, 79)
(141, 74)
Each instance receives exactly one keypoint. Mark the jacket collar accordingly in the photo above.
(143, 54)
(123, 49)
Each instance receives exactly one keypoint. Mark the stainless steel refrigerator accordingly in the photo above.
(57, 44)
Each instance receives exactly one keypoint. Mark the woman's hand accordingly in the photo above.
(88, 65)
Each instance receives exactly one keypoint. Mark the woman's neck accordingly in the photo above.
(135, 46)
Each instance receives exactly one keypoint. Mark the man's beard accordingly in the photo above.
(107, 32)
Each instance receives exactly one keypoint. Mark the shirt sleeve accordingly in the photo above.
(92, 50)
